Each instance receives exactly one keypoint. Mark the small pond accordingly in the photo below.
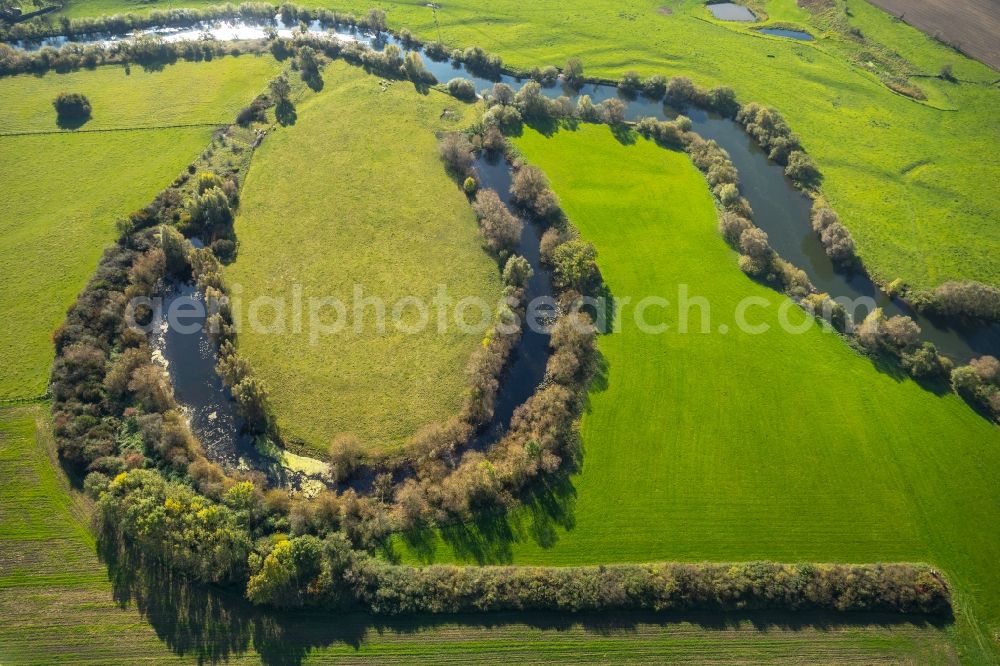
(790, 34)
(730, 11)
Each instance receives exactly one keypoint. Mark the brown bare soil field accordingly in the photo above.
(972, 26)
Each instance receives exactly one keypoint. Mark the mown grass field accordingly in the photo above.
(64, 190)
(58, 606)
(911, 181)
(355, 194)
(734, 446)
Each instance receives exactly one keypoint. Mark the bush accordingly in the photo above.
(655, 87)
(530, 101)
(769, 129)
(479, 62)
(413, 68)
(172, 524)
(456, 152)
(586, 110)
(630, 83)
(530, 189)
(802, 169)
(613, 111)
(575, 263)
(926, 363)
(461, 88)
(516, 272)
(346, 455)
(283, 574)
(502, 94)
(681, 91)
(732, 226)
(395, 590)
(573, 72)
(754, 244)
(501, 231)
(72, 107)
(967, 300)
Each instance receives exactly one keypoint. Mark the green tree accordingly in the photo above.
(575, 265)
(280, 88)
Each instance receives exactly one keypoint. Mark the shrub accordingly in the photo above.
(681, 91)
(413, 68)
(827, 309)
(987, 368)
(501, 231)
(461, 88)
(655, 87)
(530, 101)
(283, 574)
(754, 244)
(723, 100)
(469, 185)
(502, 117)
(493, 140)
(280, 88)
(769, 129)
(211, 210)
(251, 398)
(72, 107)
(170, 523)
(967, 300)
(516, 272)
(732, 226)
(479, 62)
(802, 169)
(573, 72)
(630, 83)
(394, 590)
(613, 111)
(436, 51)
(530, 189)
(926, 363)
(456, 152)
(502, 94)
(575, 263)
(549, 242)
(346, 455)
(901, 332)
(587, 110)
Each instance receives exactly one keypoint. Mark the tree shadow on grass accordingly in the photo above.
(213, 625)
(65, 122)
(284, 113)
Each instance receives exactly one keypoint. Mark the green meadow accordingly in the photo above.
(63, 190)
(738, 446)
(910, 179)
(353, 195)
(59, 606)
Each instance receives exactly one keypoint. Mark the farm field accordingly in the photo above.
(971, 25)
(354, 195)
(53, 241)
(737, 446)
(59, 607)
(895, 169)
(723, 437)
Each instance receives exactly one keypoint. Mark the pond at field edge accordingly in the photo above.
(730, 11)
(800, 35)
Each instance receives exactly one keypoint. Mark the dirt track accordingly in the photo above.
(971, 25)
